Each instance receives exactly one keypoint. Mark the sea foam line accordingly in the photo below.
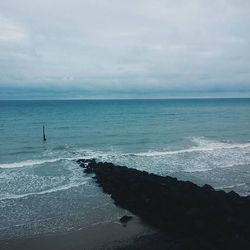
(210, 147)
(30, 163)
(191, 150)
(52, 190)
(230, 186)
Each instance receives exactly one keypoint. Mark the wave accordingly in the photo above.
(52, 190)
(230, 186)
(193, 170)
(27, 163)
(193, 149)
(30, 163)
(202, 145)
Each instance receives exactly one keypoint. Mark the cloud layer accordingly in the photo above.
(113, 48)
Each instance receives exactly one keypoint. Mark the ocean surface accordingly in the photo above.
(43, 190)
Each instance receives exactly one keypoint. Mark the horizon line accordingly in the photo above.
(117, 99)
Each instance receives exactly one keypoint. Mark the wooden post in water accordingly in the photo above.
(44, 137)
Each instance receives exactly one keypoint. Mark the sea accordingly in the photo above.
(44, 191)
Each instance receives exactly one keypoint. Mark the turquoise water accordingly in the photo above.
(43, 190)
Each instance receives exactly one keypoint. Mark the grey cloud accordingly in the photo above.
(142, 46)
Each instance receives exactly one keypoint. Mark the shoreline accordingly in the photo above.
(163, 213)
(111, 235)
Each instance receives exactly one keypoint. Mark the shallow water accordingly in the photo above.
(43, 190)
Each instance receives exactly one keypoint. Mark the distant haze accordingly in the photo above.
(63, 49)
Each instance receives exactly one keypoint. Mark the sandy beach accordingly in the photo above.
(101, 236)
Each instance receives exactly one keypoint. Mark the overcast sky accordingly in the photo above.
(124, 49)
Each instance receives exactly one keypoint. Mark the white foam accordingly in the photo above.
(27, 163)
(30, 163)
(231, 186)
(52, 190)
(202, 146)
(192, 170)
(208, 147)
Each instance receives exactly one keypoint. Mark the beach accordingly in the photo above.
(102, 236)
(162, 213)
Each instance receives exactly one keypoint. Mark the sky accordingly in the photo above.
(73, 49)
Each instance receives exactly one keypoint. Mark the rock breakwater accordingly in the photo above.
(200, 216)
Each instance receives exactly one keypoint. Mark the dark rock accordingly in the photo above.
(208, 187)
(200, 216)
(233, 195)
(126, 218)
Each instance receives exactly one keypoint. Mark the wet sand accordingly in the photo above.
(101, 236)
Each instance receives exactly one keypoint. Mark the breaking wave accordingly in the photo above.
(52, 190)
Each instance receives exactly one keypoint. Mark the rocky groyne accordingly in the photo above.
(200, 217)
